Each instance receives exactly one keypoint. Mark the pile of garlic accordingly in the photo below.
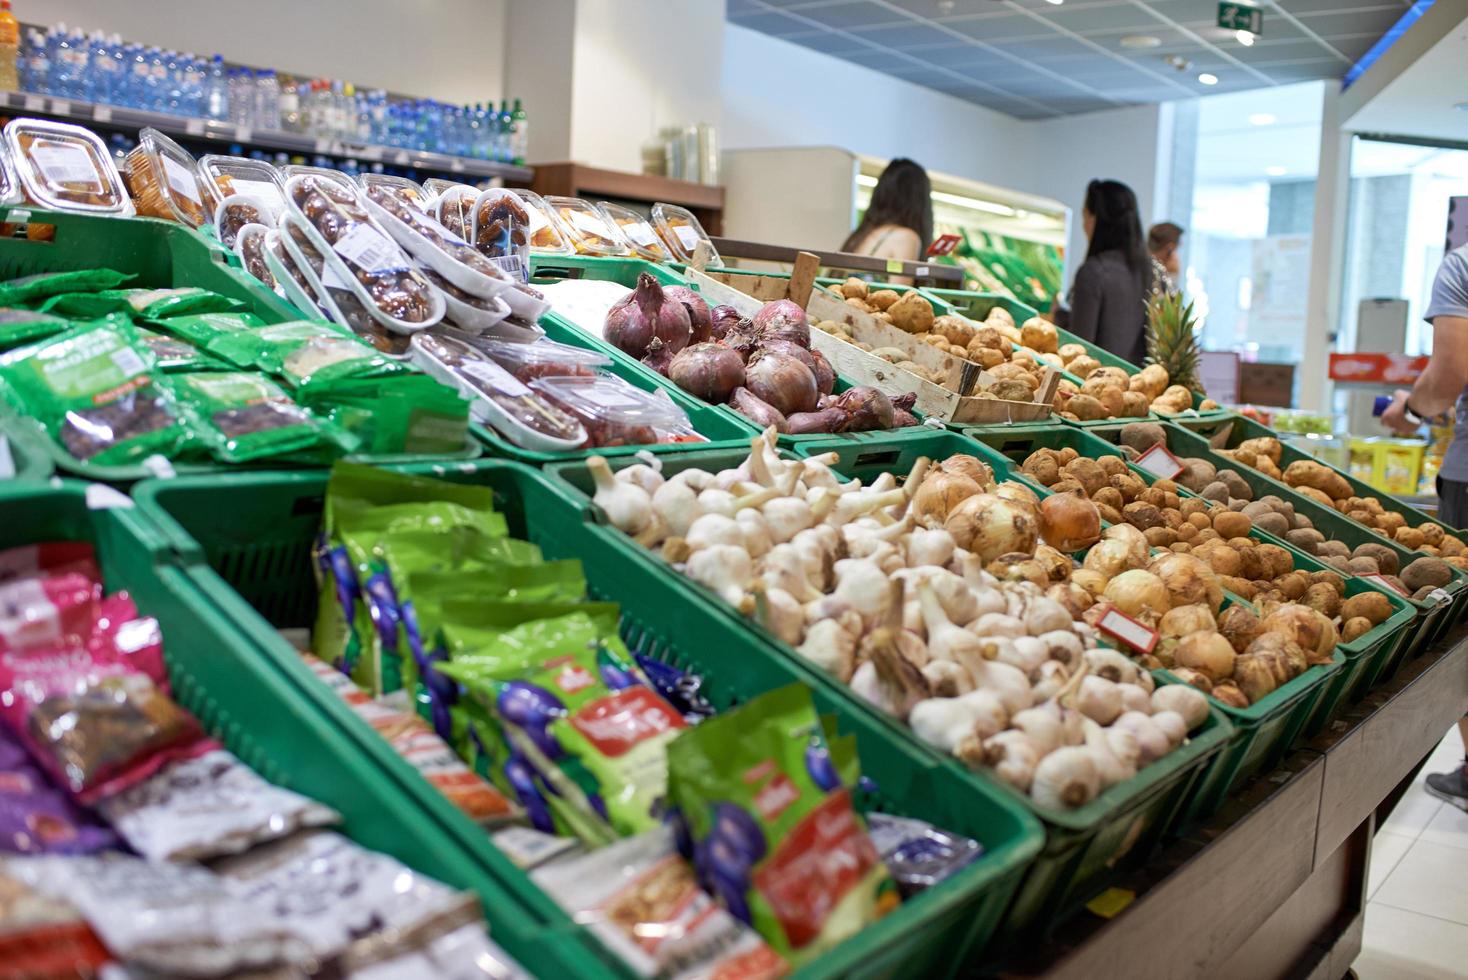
(901, 603)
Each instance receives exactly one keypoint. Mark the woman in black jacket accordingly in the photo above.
(1108, 301)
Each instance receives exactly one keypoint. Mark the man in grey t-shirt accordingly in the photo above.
(1441, 385)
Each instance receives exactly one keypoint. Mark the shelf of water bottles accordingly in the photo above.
(100, 79)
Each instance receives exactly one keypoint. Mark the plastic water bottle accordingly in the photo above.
(136, 87)
(290, 105)
(98, 85)
(58, 40)
(241, 97)
(155, 84)
(38, 66)
(216, 91)
(520, 141)
(81, 59)
(267, 100)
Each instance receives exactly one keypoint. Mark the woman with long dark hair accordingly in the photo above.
(1108, 301)
(898, 224)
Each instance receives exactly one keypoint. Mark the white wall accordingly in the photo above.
(451, 50)
(539, 45)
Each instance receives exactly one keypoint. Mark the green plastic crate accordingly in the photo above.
(1411, 624)
(29, 459)
(256, 568)
(1085, 848)
(160, 254)
(254, 707)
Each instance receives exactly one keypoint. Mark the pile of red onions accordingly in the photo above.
(763, 368)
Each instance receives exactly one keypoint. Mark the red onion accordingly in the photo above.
(646, 313)
(723, 319)
(783, 381)
(905, 401)
(825, 374)
(866, 409)
(757, 410)
(700, 319)
(708, 371)
(777, 346)
(741, 343)
(783, 319)
(902, 418)
(825, 420)
(659, 357)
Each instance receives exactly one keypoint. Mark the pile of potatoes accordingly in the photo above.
(1151, 383)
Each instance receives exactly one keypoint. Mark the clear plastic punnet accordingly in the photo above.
(437, 185)
(238, 210)
(543, 359)
(224, 176)
(164, 180)
(502, 231)
(681, 232)
(301, 170)
(65, 168)
(249, 245)
(615, 412)
(409, 191)
(333, 293)
(435, 246)
(293, 284)
(465, 309)
(637, 229)
(545, 230)
(589, 231)
(454, 209)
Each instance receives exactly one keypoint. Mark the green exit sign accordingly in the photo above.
(1241, 17)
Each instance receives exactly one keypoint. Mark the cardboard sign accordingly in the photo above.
(1160, 462)
(1385, 583)
(1124, 629)
(944, 245)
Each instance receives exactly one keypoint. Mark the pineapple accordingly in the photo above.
(1172, 341)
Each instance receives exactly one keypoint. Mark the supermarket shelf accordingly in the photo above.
(1281, 870)
(189, 128)
(922, 273)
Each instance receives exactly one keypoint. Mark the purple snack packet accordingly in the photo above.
(36, 817)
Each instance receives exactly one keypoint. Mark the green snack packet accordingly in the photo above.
(99, 393)
(244, 416)
(26, 326)
(405, 413)
(174, 354)
(774, 834)
(29, 289)
(570, 698)
(306, 353)
(202, 329)
(146, 303)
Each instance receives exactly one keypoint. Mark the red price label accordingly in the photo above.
(944, 245)
(1385, 583)
(1160, 462)
(1123, 628)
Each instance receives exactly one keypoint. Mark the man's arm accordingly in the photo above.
(1446, 374)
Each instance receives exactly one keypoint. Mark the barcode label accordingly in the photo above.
(181, 178)
(687, 236)
(367, 248)
(67, 163)
(332, 278)
(1122, 627)
(128, 362)
(1385, 583)
(496, 377)
(586, 224)
(1160, 463)
(641, 234)
(512, 264)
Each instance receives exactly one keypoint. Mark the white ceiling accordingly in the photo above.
(1420, 101)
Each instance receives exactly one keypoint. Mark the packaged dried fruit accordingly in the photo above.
(502, 231)
(545, 230)
(66, 168)
(500, 399)
(36, 817)
(375, 266)
(435, 246)
(249, 245)
(164, 181)
(306, 353)
(454, 209)
(238, 210)
(224, 176)
(466, 310)
(542, 359)
(244, 416)
(98, 392)
(586, 228)
(334, 294)
(637, 229)
(410, 192)
(326, 173)
(614, 412)
(292, 281)
(437, 185)
(681, 232)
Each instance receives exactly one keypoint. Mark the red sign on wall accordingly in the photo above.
(1378, 368)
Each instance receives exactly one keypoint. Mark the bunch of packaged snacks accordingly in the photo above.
(243, 416)
(773, 831)
(176, 354)
(203, 329)
(19, 327)
(404, 413)
(384, 274)
(97, 390)
(147, 304)
(637, 230)
(28, 290)
(38, 818)
(65, 168)
(502, 231)
(445, 240)
(640, 898)
(163, 180)
(305, 353)
(44, 937)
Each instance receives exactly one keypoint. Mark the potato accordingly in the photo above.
(1432, 534)
(1216, 490)
(1386, 558)
(1355, 627)
(1110, 514)
(1142, 436)
(1267, 446)
(1334, 580)
(1187, 531)
(1082, 366)
(1308, 473)
(1241, 587)
(1202, 520)
(1323, 599)
(1306, 539)
(1196, 474)
(1160, 537)
(1113, 465)
(1293, 585)
(1319, 496)
(1110, 496)
(1220, 556)
(1275, 524)
(854, 288)
(1040, 334)
(883, 299)
(1086, 408)
(1237, 485)
(1330, 548)
(1142, 515)
(1365, 565)
(1087, 472)
(1012, 390)
(1192, 505)
(1373, 606)
(1410, 537)
(1152, 381)
(1232, 525)
(1278, 560)
(1429, 573)
(912, 313)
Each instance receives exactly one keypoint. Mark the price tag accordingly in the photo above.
(944, 245)
(67, 163)
(34, 103)
(586, 224)
(194, 127)
(894, 266)
(1438, 595)
(400, 157)
(102, 113)
(496, 377)
(61, 107)
(1385, 583)
(323, 145)
(370, 153)
(181, 178)
(369, 249)
(1121, 627)
(457, 166)
(244, 134)
(332, 278)
(1160, 462)
(687, 236)
(640, 233)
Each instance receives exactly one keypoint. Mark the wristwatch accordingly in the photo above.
(1411, 415)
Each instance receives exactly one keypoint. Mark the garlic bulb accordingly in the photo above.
(724, 568)
(715, 529)
(947, 679)
(1152, 741)
(643, 476)
(1109, 767)
(944, 722)
(830, 644)
(930, 547)
(1066, 778)
(1186, 701)
(1172, 725)
(677, 502)
(756, 532)
(1045, 615)
(1099, 700)
(777, 611)
(1013, 756)
(626, 505)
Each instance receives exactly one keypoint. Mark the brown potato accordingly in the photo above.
(1371, 605)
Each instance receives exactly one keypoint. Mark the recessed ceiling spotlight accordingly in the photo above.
(1178, 62)
(1141, 41)
(1056, 2)
(1462, 105)
(1275, 171)
(1207, 78)
(947, 6)
(1246, 38)
(1262, 119)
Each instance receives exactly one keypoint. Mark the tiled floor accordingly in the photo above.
(1417, 890)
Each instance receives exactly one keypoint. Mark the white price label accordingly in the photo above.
(322, 145)
(457, 166)
(181, 178)
(332, 278)
(687, 236)
(1160, 463)
(587, 224)
(617, 398)
(34, 103)
(400, 157)
(67, 163)
(496, 377)
(244, 134)
(511, 264)
(1385, 583)
(537, 219)
(1120, 626)
(369, 249)
(102, 113)
(194, 127)
(61, 107)
(128, 362)
(1438, 595)
(640, 233)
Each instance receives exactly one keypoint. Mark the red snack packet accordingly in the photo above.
(97, 715)
(48, 594)
(51, 557)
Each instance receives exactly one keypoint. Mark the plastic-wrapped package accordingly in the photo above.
(376, 267)
(243, 416)
(249, 245)
(466, 310)
(163, 179)
(36, 817)
(66, 168)
(616, 413)
(681, 233)
(545, 229)
(410, 192)
(435, 246)
(502, 231)
(45, 937)
(587, 229)
(542, 359)
(917, 854)
(326, 173)
(293, 284)
(638, 231)
(224, 176)
(500, 399)
(333, 294)
(467, 953)
(237, 211)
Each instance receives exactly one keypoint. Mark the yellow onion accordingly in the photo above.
(1179, 621)
(1069, 521)
(990, 526)
(1136, 542)
(1298, 623)
(1139, 594)
(1107, 558)
(1188, 580)
(1208, 653)
(1020, 494)
(1091, 580)
(937, 495)
(1057, 565)
(970, 466)
(1075, 599)
(1018, 567)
